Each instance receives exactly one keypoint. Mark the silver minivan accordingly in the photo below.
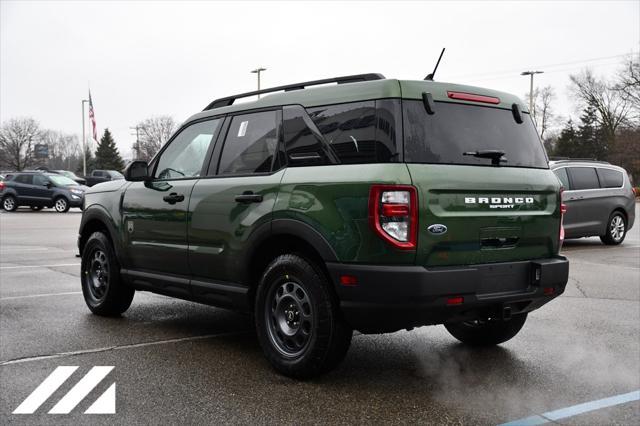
(599, 197)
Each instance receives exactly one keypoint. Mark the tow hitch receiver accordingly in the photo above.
(506, 313)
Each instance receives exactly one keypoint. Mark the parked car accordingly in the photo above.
(38, 190)
(374, 204)
(99, 176)
(72, 176)
(599, 197)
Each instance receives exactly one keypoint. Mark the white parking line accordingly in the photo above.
(28, 296)
(39, 266)
(117, 348)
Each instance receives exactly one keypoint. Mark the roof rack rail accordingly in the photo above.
(229, 100)
(567, 159)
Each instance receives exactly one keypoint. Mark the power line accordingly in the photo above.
(515, 70)
(514, 76)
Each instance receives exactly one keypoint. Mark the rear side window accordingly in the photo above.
(350, 133)
(610, 178)
(444, 137)
(583, 178)
(564, 179)
(251, 143)
(25, 179)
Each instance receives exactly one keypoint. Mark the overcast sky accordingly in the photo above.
(150, 58)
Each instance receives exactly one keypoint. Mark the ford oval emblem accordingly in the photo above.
(437, 229)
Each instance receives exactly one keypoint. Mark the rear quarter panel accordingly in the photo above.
(333, 200)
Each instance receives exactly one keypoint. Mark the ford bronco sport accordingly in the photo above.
(372, 204)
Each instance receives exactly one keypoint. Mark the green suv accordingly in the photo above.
(371, 204)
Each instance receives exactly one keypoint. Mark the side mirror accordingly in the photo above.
(137, 171)
(49, 185)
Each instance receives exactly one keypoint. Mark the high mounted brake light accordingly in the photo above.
(462, 96)
(393, 214)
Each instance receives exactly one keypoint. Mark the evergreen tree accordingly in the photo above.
(567, 144)
(107, 155)
(591, 139)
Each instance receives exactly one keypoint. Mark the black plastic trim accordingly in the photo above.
(229, 100)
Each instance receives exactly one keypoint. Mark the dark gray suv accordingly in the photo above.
(38, 190)
(599, 198)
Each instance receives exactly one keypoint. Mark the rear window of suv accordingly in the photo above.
(444, 137)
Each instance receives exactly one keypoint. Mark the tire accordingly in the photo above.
(9, 203)
(61, 205)
(486, 333)
(298, 321)
(104, 292)
(616, 229)
(36, 208)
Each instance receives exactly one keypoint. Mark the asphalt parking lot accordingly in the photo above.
(182, 363)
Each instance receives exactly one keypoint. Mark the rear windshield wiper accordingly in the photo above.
(495, 155)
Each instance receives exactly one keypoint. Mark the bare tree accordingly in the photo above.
(628, 83)
(612, 108)
(64, 149)
(154, 132)
(17, 139)
(542, 114)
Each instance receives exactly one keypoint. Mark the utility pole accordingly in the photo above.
(137, 129)
(531, 73)
(84, 142)
(258, 71)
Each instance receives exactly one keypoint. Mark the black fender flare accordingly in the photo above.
(292, 227)
(99, 213)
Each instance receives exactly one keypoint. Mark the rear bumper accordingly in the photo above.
(389, 298)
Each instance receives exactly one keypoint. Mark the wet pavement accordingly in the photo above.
(177, 362)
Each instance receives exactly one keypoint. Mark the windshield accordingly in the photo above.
(116, 175)
(68, 174)
(60, 180)
(456, 129)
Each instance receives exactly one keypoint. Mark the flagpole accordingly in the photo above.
(84, 142)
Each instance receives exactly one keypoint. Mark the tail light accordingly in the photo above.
(2, 186)
(393, 214)
(563, 210)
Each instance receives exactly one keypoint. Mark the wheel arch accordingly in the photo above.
(97, 219)
(286, 236)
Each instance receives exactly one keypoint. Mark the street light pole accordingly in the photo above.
(84, 142)
(137, 129)
(531, 73)
(258, 71)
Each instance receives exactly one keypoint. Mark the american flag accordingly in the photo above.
(92, 116)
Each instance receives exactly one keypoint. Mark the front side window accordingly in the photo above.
(185, 155)
(584, 178)
(455, 131)
(250, 144)
(40, 180)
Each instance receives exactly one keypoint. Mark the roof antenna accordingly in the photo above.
(430, 76)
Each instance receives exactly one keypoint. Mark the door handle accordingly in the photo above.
(173, 198)
(249, 197)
